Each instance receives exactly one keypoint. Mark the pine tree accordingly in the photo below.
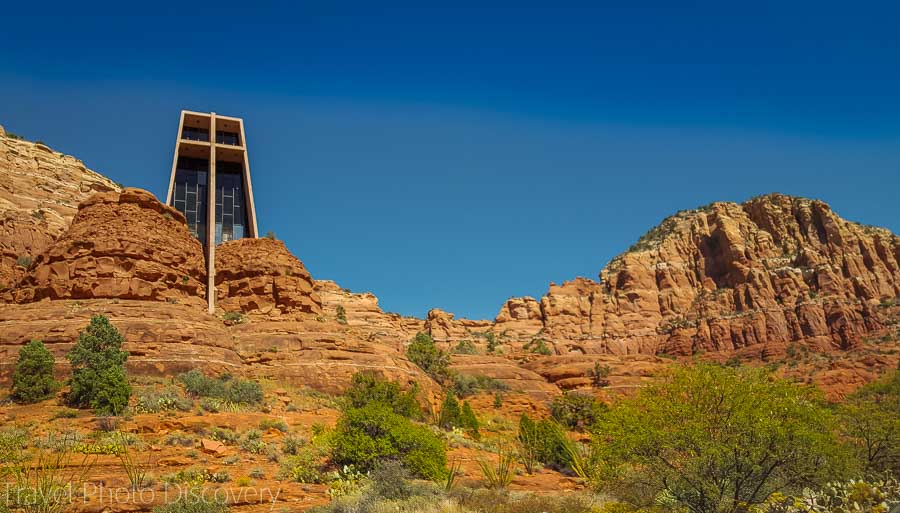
(451, 415)
(469, 421)
(98, 379)
(32, 381)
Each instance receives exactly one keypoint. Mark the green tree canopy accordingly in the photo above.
(32, 381)
(870, 419)
(423, 352)
(371, 434)
(367, 387)
(98, 379)
(715, 439)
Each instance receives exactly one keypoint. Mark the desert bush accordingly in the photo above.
(98, 379)
(465, 385)
(423, 352)
(870, 420)
(233, 317)
(155, 401)
(304, 467)
(253, 443)
(538, 346)
(365, 436)
(367, 388)
(716, 439)
(341, 314)
(224, 388)
(576, 410)
(498, 476)
(43, 483)
(465, 347)
(544, 442)
(292, 444)
(32, 379)
(600, 375)
(392, 481)
(277, 424)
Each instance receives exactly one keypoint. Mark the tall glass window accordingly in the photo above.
(231, 138)
(190, 195)
(231, 217)
(195, 134)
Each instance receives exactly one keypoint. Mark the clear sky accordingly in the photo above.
(456, 155)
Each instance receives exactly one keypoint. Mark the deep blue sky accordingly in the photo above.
(457, 155)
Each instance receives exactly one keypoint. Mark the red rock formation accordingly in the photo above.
(443, 327)
(774, 270)
(124, 245)
(262, 276)
(39, 196)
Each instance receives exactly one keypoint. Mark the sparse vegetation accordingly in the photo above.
(341, 314)
(465, 347)
(499, 475)
(23, 261)
(233, 317)
(538, 346)
(576, 410)
(465, 385)
(226, 388)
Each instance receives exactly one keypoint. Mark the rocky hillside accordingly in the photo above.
(758, 281)
(39, 196)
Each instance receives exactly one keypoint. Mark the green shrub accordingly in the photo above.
(32, 380)
(225, 388)
(423, 352)
(392, 481)
(154, 401)
(292, 445)
(870, 420)
(576, 410)
(24, 261)
(451, 413)
(365, 436)
(253, 443)
(465, 385)
(98, 379)
(465, 347)
(492, 342)
(304, 467)
(469, 420)
(341, 314)
(233, 317)
(600, 375)
(709, 438)
(277, 424)
(538, 346)
(367, 388)
(543, 441)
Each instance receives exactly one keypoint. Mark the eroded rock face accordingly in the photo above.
(771, 271)
(162, 339)
(124, 245)
(262, 276)
(444, 327)
(39, 196)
